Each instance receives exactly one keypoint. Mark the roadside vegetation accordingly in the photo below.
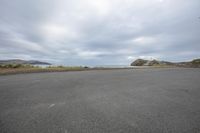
(10, 66)
(23, 68)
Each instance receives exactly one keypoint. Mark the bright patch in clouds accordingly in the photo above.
(131, 58)
(100, 6)
(144, 40)
(54, 31)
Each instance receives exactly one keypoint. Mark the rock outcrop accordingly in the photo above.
(142, 62)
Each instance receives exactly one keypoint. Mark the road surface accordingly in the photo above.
(101, 101)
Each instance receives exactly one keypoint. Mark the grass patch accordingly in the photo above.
(20, 68)
(65, 68)
(12, 66)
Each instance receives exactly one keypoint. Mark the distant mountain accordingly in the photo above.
(142, 62)
(18, 61)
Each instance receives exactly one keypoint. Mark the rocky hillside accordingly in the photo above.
(142, 62)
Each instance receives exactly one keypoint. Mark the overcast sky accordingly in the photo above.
(99, 32)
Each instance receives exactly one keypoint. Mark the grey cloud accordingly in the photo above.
(99, 32)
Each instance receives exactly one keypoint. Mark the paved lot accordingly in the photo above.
(103, 101)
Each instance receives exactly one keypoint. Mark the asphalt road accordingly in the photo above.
(103, 101)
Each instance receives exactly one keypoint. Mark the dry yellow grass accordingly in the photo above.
(5, 71)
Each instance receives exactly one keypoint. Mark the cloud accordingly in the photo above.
(144, 40)
(97, 32)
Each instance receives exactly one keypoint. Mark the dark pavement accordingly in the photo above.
(103, 101)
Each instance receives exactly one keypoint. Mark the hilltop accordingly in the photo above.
(142, 62)
(23, 62)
